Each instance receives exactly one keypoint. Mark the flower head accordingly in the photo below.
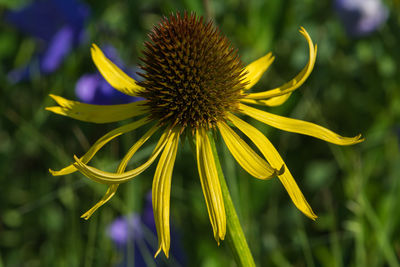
(193, 76)
(194, 80)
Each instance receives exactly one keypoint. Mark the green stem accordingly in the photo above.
(236, 239)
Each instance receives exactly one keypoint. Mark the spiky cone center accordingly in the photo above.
(193, 75)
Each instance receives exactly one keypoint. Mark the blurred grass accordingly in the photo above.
(353, 89)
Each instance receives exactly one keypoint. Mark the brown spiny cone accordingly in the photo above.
(193, 75)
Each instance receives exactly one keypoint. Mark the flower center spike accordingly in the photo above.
(193, 75)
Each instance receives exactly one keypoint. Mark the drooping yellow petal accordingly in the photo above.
(297, 81)
(245, 156)
(298, 126)
(124, 162)
(114, 75)
(107, 196)
(121, 168)
(100, 143)
(113, 178)
(271, 102)
(210, 184)
(161, 192)
(273, 157)
(96, 113)
(256, 69)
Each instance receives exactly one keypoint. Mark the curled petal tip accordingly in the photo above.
(56, 173)
(219, 237)
(310, 214)
(281, 170)
(357, 139)
(94, 49)
(85, 217)
(360, 138)
(157, 252)
(222, 237)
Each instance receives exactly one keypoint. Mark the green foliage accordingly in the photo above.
(355, 191)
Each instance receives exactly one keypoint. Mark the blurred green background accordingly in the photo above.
(354, 88)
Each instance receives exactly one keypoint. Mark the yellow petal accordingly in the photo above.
(244, 155)
(256, 69)
(299, 126)
(271, 102)
(161, 192)
(107, 196)
(121, 168)
(273, 157)
(113, 178)
(297, 81)
(114, 75)
(96, 113)
(100, 143)
(210, 184)
(124, 162)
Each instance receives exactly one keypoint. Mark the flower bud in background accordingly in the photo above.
(92, 88)
(361, 17)
(56, 25)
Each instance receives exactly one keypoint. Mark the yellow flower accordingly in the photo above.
(194, 82)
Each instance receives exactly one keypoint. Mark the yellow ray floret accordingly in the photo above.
(277, 100)
(161, 192)
(272, 102)
(210, 184)
(298, 126)
(245, 156)
(114, 75)
(297, 81)
(111, 190)
(124, 162)
(273, 157)
(256, 69)
(121, 168)
(100, 143)
(112, 178)
(96, 113)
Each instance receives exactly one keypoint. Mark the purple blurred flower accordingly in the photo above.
(124, 229)
(58, 25)
(136, 235)
(92, 88)
(361, 17)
